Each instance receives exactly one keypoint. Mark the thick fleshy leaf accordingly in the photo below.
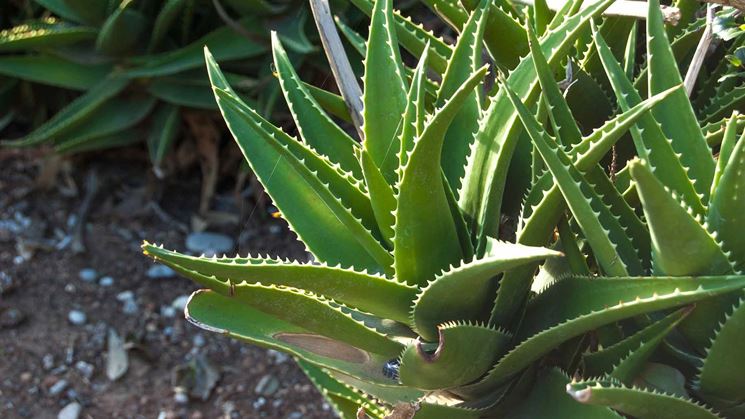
(122, 29)
(53, 71)
(639, 403)
(372, 293)
(167, 16)
(465, 292)
(314, 125)
(384, 99)
(426, 242)
(382, 196)
(47, 33)
(164, 128)
(447, 365)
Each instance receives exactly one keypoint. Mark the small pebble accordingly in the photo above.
(180, 397)
(275, 229)
(160, 271)
(130, 307)
(267, 385)
(259, 403)
(47, 361)
(198, 340)
(26, 377)
(106, 281)
(58, 387)
(88, 275)
(69, 288)
(76, 317)
(71, 411)
(85, 369)
(11, 317)
(7, 284)
(209, 243)
(168, 311)
(125, 296)
(179, 303)
(295, 415)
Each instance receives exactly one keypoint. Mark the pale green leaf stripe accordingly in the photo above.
(384, 98)
(639, 403)
(368, 292)
(324, 224)
(426, 242)
(314, 125)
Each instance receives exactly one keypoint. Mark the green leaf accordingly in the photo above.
(121, 31)
(47, 33)
(426, 242)
(323, 221)
(224, 43)
(164, 128)
(726, 213)
(677, 120)
(53, 71)
(314, 125)
(639, 403)
(448, 365)
(412, 124)
(167, 16)
(465, 292)
(228, 316)
(504, 36)
(604, 360)
(74, 114)
(548, 399)
(466, 60)
(611, 245)
(183, 91)
(382, 197)
(91, 12)
(597, 302)
(384, 99)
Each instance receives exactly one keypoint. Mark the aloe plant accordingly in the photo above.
(137, 66)
(412, 306)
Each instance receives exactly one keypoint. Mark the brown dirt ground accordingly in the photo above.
(48, 287)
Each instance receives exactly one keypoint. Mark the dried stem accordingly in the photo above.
(701, 49)
(340, 67)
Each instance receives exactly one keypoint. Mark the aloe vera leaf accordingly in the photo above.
(611, 245)
(723, 104)
(441, 411)
(480, 197)
(369, 292)
(448, 365)
(629, 53)
(121, 31)
(75, 113)
(504, 36)
(53, 71)
(273, 332)
(627, 369)
(649, 139)
(567, 131)
(604, 360)
(91, 12)
(314, 125)
(544, 205)
(412, 123)
(164, 128)
(720, 380)
(726, 213)
(345, 399)
(117, 114)
(182, 92)
(61, 9)
(43, 34)
(224, 43)
(330, 102)
(164, 21)
(639, 403)
(548, 399)
(465, 291)
(681, 245)
(382, 196)
(425, 242)
(248, 7)
(600, 301)
(322, 221)
(677, 119)
(466, 60)
(413, 37)
(384, 99)
(727, 144)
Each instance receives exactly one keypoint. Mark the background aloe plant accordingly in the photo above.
(413, 305)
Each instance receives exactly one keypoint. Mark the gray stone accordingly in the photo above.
(267, 385)
(179, 303)
(130, 307)
(180, 397)
(125, 296)
(198, 340)
(88, 275)
(85, 369)
(209, 243)
(58, 387)
(71, 411)
(159, 271)
(47, 361)
(168, 311)
(76, 317)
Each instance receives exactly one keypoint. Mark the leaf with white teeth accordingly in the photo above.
(446, 365)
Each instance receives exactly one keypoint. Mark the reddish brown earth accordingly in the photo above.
(47, 287)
